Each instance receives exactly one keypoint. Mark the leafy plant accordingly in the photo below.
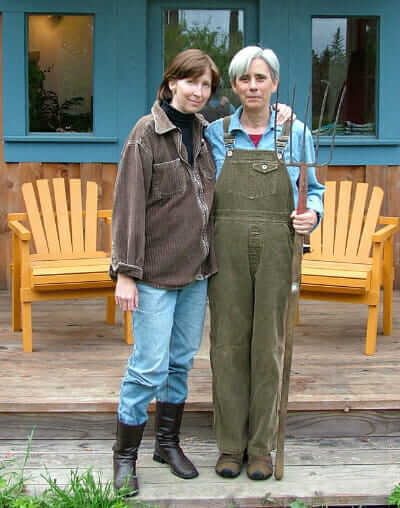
(394, 498)
(83, 490)
(46, 112)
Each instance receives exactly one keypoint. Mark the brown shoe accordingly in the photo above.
(259, 467)
(229, 465)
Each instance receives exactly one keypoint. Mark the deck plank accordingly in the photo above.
(71, 343)
(355, 470)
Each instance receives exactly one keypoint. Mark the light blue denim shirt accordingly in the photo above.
(215, 135)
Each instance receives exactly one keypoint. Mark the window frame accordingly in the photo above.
(98, 145)
(155, 38)
(300, 39)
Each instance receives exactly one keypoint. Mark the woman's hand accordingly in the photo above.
(284, 111)
(126, 293)
(304, 222)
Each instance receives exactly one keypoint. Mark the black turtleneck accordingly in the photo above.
(184, 122)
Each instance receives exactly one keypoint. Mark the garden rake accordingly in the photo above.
(297, 255)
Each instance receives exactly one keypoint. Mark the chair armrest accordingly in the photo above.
(383, 234)
(19, 230)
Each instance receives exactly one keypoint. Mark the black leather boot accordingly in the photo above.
(125, 451)
(168, 451)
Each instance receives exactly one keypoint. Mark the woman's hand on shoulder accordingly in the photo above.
(283, 113)
(126, 293)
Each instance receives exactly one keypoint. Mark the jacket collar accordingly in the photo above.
(162, 124)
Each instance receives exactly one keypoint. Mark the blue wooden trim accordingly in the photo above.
(61, 152)
(376, 155)
(274, 31)
(47, 6)
(43, 146)
(66, 138)
(359, 141)
(131, 57)
(14, 95)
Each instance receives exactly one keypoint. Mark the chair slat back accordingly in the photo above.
(328, 230)
(342, 219)
(357, 219)
(346, 231)
(76, 215)
(64, 230)
(48, 216)
(371, 220)
(60, 232)
(35, 221)
(91, 217)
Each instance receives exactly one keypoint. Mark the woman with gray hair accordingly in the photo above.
(255, 196)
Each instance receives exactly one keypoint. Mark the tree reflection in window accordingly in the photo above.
(344, 51)
(219, 33)
(60, 73)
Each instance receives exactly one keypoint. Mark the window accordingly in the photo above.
(220, 33)
(60, 81)
(60, 73)
(344, 51)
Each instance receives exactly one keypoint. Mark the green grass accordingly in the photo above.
(83, 491)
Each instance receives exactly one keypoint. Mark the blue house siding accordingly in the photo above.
(128, 68)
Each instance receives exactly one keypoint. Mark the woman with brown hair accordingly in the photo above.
(162, 256)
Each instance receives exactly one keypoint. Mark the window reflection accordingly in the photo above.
(60, 62)
(218, 32)
(344, 51)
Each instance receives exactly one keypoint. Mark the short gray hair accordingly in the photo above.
(242, 60)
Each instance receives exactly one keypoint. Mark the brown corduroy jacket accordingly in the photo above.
(162, 228)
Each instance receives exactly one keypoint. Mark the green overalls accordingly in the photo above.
(249, 295)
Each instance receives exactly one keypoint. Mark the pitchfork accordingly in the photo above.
(297, 256)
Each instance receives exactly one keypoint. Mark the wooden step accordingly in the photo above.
(360, 469)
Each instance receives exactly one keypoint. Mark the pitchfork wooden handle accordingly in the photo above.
(303, 190)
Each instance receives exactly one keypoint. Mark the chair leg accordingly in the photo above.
(372, 328)
(27, 327)
(110, 317)
(387, 305)
(128, 328)
(15, 299)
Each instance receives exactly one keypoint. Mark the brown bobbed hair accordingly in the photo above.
(190, 63)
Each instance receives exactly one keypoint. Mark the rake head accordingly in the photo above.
(303, 162)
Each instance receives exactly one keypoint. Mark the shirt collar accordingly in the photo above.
(235, 124)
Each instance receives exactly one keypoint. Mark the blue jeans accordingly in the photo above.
(167, 328)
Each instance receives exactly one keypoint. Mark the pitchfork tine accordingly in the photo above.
(291, 122)
(321, 116)
(303, 148)
(335, 125)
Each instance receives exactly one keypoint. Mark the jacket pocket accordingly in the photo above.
(169, 178)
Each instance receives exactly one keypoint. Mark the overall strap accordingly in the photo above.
(229, 139)
(283, 140)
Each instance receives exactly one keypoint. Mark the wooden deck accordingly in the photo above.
(78, 361)
(343, 445)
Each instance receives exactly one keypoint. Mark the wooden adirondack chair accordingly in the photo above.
(340, 266)
(66, 263)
